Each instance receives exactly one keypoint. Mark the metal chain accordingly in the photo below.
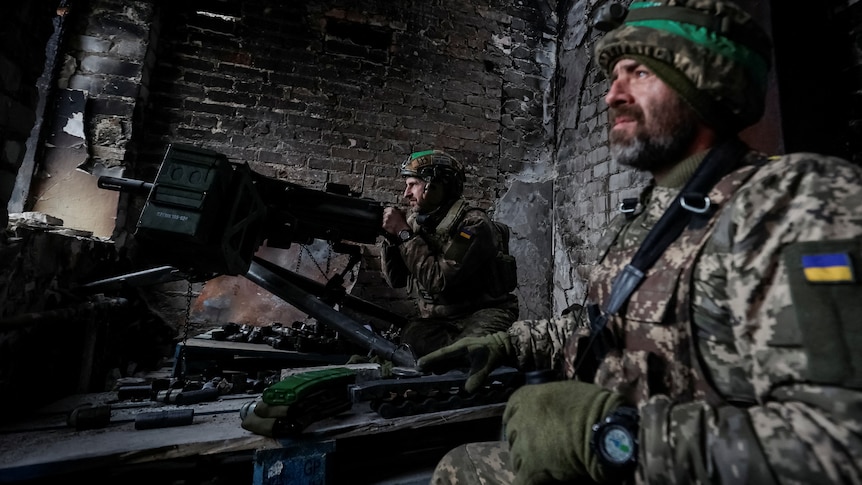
(298, 259)
(313, 260)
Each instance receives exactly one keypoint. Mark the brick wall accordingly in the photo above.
(588, 186)
(106, 56)
(95, 93)
(318, 91)
(343, 91)
(54, 341)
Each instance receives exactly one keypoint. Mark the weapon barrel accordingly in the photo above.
(329, 316)
(120, 184)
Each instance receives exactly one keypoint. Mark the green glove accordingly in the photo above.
(549, 427)
(484, 354)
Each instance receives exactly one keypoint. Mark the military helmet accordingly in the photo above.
(711, 52)
(438, 168)
(424, 164)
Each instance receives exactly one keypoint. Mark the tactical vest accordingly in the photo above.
(502, 277)
(653, 350)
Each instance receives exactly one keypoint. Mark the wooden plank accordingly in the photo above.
(52, 439)
(44, 446)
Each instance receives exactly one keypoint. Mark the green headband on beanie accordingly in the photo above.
(710, 52)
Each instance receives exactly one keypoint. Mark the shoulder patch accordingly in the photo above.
(465, 234)
(825, 296)
(828, 268)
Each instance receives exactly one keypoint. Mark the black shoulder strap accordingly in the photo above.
(691, 200)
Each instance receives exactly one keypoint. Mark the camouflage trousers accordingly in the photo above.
(425, 335)
(475, 463)
(484, 463)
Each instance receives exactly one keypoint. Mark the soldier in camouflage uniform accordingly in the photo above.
(451, 256)
(736, 358)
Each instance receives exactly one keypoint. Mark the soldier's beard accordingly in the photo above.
(424, 207)
(656, 146)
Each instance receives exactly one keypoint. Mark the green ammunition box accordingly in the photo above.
(293, 389)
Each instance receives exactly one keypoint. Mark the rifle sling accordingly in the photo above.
(715, 165)
(718, 162)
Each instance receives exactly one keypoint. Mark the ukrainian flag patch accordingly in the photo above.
(466, 234)
(828, 268)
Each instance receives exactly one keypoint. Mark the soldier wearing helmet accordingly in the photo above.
(451, 256)
(717, 344)
(445, 173)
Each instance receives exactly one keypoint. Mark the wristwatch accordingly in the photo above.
(615, 440)
(405, 235)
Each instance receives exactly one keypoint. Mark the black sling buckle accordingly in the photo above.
(720, 161)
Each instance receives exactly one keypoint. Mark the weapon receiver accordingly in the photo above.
(207, 216)
(210, 215)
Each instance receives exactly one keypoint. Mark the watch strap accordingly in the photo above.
(624, 417)
(405, 235)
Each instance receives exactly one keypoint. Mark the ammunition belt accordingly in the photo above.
(393, 398)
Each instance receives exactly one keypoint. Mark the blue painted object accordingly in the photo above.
(304, 464)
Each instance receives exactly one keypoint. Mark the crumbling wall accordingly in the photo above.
(25, 29)
(343, 91)
(54, 339)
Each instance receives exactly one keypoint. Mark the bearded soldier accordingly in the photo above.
(453, 259)
(720, 339)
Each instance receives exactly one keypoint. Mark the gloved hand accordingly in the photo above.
(549, 427)
(484, 354)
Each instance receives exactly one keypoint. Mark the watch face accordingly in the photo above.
(618, 444)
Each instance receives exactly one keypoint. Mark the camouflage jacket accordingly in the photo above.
(452, 269)
(770, 388)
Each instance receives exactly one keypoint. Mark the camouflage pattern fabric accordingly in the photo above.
(755, 404)
(779, 423)
(451, 274)
(722, 79)
(425, 335)
(540, 344)
(475, 463)
(653, 303)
